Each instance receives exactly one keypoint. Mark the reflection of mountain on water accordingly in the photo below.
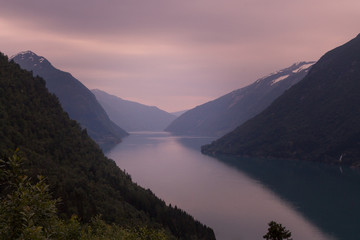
(326, 195)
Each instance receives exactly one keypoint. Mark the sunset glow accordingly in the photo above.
(175, 54)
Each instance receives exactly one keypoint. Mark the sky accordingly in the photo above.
(175, 54)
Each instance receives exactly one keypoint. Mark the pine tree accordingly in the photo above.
(277, 232)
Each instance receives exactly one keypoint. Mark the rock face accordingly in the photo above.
(317, 119)
(75, 98)
(133, 116)
(224, 114)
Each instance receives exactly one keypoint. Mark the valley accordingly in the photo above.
(126, 129)
(237, 197)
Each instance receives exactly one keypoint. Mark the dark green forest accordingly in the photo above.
(29, 212)
(88, 183)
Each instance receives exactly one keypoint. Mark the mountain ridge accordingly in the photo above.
(133, 116)
(75, 98)
(315, 120)
(221, 115)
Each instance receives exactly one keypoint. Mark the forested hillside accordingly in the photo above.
(317, 119)
(75, 98)
(87, 182)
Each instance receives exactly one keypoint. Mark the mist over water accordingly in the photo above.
(238, 200)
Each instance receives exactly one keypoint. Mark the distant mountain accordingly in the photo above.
(179, 113)
(75, 98)
(133, 116)
(317, 119)
(88, 183)
(224, 114)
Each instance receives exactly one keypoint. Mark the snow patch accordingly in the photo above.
(26, 52)
(279, 79)
(41, 59)
(22, 54)
(302, 67)
(269, 75)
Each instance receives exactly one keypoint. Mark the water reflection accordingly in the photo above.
(236, 199)
(329, 196)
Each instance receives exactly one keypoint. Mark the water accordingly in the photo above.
(238, 197)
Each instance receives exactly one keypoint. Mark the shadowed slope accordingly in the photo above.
(317, 119)
(75, 98)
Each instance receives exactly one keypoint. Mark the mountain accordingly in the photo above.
(179, 113)
(317, 119)
(224, 114)
(75, 98)
(88, 183)
(133, 116)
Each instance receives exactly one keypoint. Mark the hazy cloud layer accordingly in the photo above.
(175, 54)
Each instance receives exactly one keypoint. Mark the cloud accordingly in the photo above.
(197, 49)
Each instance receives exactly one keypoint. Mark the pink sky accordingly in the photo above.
(175, 54)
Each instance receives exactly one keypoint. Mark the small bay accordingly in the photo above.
(238, 197)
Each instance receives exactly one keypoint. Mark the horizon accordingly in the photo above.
(177, 55)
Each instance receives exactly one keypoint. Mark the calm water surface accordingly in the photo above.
(238, 197)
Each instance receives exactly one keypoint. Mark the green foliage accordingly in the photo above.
(277, 232)
(79, 174)
(28, 211)
(99, 230)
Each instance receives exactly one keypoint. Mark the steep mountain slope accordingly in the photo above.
(87, 182)
(75, 98)
(133, 116)
(224, 114)
(317, 119)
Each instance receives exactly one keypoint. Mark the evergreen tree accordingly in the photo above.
(27, 210)
(277, 232)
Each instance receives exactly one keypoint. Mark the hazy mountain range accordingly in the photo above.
(133, 116)
(317, 119)
(75, 98)
(220, 116)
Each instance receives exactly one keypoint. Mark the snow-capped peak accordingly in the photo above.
(280, 75)
(31, 58)
(23, 53)
(26, 52)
